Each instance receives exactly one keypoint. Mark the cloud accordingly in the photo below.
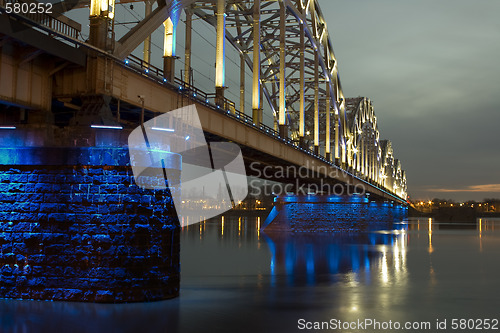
(470, 188)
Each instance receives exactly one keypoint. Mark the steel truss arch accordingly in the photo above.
(294, 69)
(300, 19)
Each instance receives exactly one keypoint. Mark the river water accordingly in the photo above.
(236, 278)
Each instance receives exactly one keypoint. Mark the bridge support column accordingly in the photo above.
(337, 151)
(219, 97)
(257, 116)
(86, 220)
(302, 142)
(147, 42)
(169, 51)
(282, 89)
(316, 101)
(302, 116)
(187, 49)
(169, 68)
(283, 130)
(365, 158)
(101, 24)
(372, 167)
(242, 83)
(220, 56)
(328, 123)
(361, 156)
(370, 160)
(351, 208)
(256, 110)
(97, 34)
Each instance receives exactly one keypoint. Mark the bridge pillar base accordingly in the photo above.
(169, 68)
(257, 116)
(283, 130)
(316, 150)
(219, 97)
(302, 142)
(328, 156)
(299, 213)
(98, 34)
(82, 230)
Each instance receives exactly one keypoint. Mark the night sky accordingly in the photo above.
(432, 70)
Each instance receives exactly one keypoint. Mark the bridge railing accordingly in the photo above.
(208, 99)
(37, 13)
(228, 107)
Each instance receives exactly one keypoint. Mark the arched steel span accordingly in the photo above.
(294, 69)
(367, 155)
(310, 72)
(298, 68)
(394, 178)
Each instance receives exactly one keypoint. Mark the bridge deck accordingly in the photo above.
(261, 143)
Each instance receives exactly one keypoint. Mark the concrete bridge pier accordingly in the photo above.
(331, 213)
(75, 227)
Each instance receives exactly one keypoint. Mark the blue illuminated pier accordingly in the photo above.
(74, 226)
(326, 213)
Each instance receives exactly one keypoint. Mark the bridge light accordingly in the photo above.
(169, 38)
(163, 129)
(106, 127)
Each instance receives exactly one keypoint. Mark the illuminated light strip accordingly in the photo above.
(107, 127)
(163, 129)
(8, 127)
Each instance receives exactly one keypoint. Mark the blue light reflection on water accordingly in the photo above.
(307, 258)
(228, 286)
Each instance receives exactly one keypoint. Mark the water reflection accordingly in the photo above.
(21, 316)
(237, 278)
(318, 258)
(372, 253)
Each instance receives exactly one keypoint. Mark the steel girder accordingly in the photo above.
(369, 156)
(306, 35)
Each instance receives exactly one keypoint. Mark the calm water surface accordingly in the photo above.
(236, 278)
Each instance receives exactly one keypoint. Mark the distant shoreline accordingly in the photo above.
(415, 213)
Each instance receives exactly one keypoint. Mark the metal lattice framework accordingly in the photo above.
(286, 46)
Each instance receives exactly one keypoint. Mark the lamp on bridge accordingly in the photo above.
(169, 50)
(220, 55)
(102, 13)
